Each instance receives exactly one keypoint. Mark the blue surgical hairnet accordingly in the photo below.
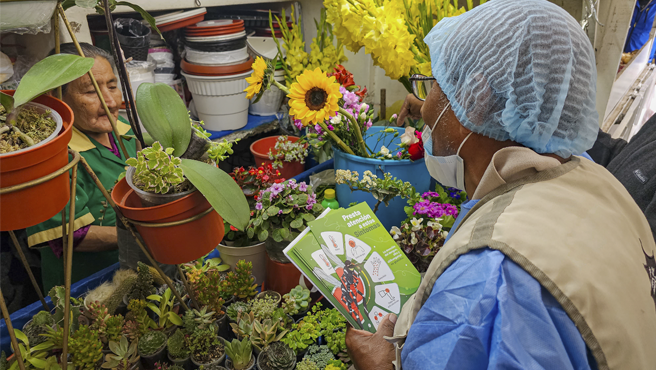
(519, 70)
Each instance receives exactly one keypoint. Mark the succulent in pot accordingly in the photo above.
(205, 346)
(21, 124)
(37, 326)
(265, 333)
(177, 346)
(277, 356)
(243, 328)
(320, 355)
(240, 353)
(297, 300)
(151, 343)
(237, 308)
(198, 319)
(263, 307)
(167, 318)
(124, 355)
(86, 348)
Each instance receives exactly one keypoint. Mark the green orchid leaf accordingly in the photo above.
(7, 101)
(88, 4)
(49, 73)
(175, 318)
(222, 268)
(144, 14)
(220, 190)
(164, 115)
(21, 336)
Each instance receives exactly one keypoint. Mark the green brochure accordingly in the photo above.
(351, 258)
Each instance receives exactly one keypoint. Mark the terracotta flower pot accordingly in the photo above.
(260, 150)
(31, 206)
(282, 277)
(173, 244)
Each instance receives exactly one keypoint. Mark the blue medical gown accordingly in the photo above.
(486, 312)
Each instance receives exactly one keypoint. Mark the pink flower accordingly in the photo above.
(258, 206)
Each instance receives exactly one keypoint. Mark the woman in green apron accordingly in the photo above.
(95, 242)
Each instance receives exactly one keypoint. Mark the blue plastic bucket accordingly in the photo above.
(414, 172)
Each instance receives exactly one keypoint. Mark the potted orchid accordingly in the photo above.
(431, 216)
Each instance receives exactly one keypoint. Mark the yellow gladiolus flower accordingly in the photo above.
(314, 97)
(256, 79)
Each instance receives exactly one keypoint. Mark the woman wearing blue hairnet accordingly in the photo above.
(551, 264)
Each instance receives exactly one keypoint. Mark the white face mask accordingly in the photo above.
(450, 170)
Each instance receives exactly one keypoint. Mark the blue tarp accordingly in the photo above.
(253, 122)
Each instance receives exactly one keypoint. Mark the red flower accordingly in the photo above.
(233, 228)
(344, 77)
(362, 93)
(416, 151)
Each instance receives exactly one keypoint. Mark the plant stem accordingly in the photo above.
(376, 207)
(26, 139)
(4, 129)
(358, 133)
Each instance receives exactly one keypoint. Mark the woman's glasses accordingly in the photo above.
(421, 86)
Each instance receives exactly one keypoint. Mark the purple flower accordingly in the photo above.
(258, 206)
(280, 212)
(330, 127)
(430, 194)
(309, 207)
(368, 124)
(399, 154)
(276, 189)
(312, 199)
(298, 123)
(318, 129)
(302, 186)
(292, 184)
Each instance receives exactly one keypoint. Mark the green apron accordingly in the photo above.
(91, 208)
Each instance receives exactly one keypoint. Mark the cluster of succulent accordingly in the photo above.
(241, 282)
(124, 355)
(205, 346)
(302, 335)
(307, 365)
(264, 307)
(265, 333)
(39, 325)
(237, 308)
(86, 348)
(297, 300)
(319, 355)
(143, 287)
(278, 356)
(177, 346)
(151, 342)
(240, 353)
(197, 319)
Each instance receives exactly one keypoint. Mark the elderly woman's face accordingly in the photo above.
(444, 136)
(80, 95)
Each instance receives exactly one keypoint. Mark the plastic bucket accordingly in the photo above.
(260, 150)
(413, 172)
(220, 100)
(269, 103)
(253, 253)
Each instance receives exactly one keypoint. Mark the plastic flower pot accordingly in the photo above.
(254, 253)
(152, 199)
(148, 362)
(260, 150)
(218, 361)
(173, 244)
(283, 277)
(261, 359)
(413, 172)
(184, 363)
(39, 203)
(134, 37)
(269, 293)
(249, 367)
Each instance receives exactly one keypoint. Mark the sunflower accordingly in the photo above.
(257, 78)
(314, 97)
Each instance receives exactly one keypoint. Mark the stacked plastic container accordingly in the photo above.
(216, 65)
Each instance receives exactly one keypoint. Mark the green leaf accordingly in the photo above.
(284, 233)
(257, 222)
(174, 318)
(220, 190)
(263, 235)
(7, 101)
(148, 140)
(276, 236)
(88, 4)
(144, 14)
(297, 223)
(164, 115)
(222, 268)
(250, 233)
(21, 336)
(272, 211)
(51, 72)
(308, 217)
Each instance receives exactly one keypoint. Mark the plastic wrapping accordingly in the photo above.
(140, 72)
(326, 177)
(134, 37)
(163, 58)
(215, 58)
(29, 17)
(6, 68)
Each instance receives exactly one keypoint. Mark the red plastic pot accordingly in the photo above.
(282, 277)
(31, 206)
(174, 244)
(260, 150)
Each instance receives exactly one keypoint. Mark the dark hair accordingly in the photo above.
(89, 51)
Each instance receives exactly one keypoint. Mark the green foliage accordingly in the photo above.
(283, 211)
(156, 169)
(38, 326)
(167, 318)
(43, 318)
(124, 355)
(336, 365)
(132, 331)
(279, 356)
(382, 189)
(241, 282)
(139, 322)
(207, 286)
(204, 345)
(198, 319)
(164, 115)
(220, 151)
(303, 334)
(265, 333)
(32, 355)
(58, 295)
(177, 345)
(151, 342)
(307, 365)
(220, 190)
(286, 150)
(86, 348)
(264, 307)
(144, 284)
(114, 328)
(320, 355)
(297, 300)
(240, 352)
(243, 328)
(237, 308)
(47, 74)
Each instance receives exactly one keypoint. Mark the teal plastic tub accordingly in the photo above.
(414, 172)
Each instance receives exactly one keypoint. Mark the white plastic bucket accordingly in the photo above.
(216, 58)
(220, 101)
(269, 103)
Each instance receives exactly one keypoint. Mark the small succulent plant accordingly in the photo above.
(143, 287)
(265, 333)
(263, 307)
(151, 342)
(237, 308)
(124, 355)
(320, 355)
(202, 318)
(39, 325)
(297, 300)
(280, 357)
(336, 365)
(177, 345)
(307, 365)
(241, 282)
(205, 345)
(157, 169)
(114, 328)
(244, 326)
(86, 348)
(240, 352)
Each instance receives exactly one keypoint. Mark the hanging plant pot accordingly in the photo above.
(260, 150)
(172, 244)
(31, 206)
(283, 277)
(254, 254)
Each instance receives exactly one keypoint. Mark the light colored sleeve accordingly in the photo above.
(486, 312)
